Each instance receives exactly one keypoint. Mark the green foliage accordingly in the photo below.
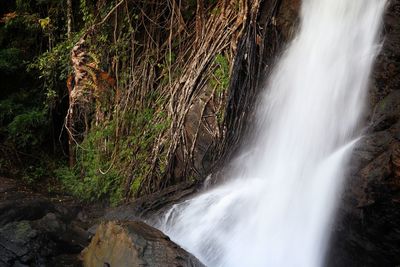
(34, 48)
(54, 63)
(146, 126)
(220, 78)
(24, 132)
(18, 40)
(170, 57)
(27, 129)
(23, 5)
(92, 185)
(23, 121)
(102, 158)
(94, 177)
(86, 10)
(10, 60)
(53, 68)
(44, 23)
(35, 173)
(8, 109)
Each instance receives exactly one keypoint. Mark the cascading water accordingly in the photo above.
(277, 208)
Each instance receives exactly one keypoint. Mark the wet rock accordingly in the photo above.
(201, 130)
(36, 243)
(24, 209)
(367, 232)
(387, 112)
(152, 205)
(134, 243)
(21, 243)
(368, 148)
(36, 231)
(287, 19)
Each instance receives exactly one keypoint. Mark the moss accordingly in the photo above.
(135, 185)
(220, 116)
(220, 77)
(220, 80)
(23, 230)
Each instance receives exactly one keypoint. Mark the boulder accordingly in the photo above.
(38, 231)
(134, 244)
(40, 242)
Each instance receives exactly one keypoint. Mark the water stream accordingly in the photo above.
(279, 203)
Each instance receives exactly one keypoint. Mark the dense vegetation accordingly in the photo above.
(96, 94)
(33, 70)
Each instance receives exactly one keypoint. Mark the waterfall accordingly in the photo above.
(277, 207)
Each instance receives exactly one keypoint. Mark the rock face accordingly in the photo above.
(134, 243)
(368, 229)
(152, 206)
(35, 231)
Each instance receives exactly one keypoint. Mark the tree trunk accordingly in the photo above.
(199, 20)
(69, 18)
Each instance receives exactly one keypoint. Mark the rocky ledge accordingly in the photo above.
(38, 231)
(134, 244)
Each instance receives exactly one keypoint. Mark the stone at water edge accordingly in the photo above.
(134, 244)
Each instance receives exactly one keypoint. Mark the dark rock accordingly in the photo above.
(153, 204)
(21, 242)
(367, 232)
(65, 260)
(37, 231)
(24, 209)
(37, 242)
(387, 112)
(287, 19)
(368, 148)
(134, 243)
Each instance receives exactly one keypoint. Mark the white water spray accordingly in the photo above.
(277, 212)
